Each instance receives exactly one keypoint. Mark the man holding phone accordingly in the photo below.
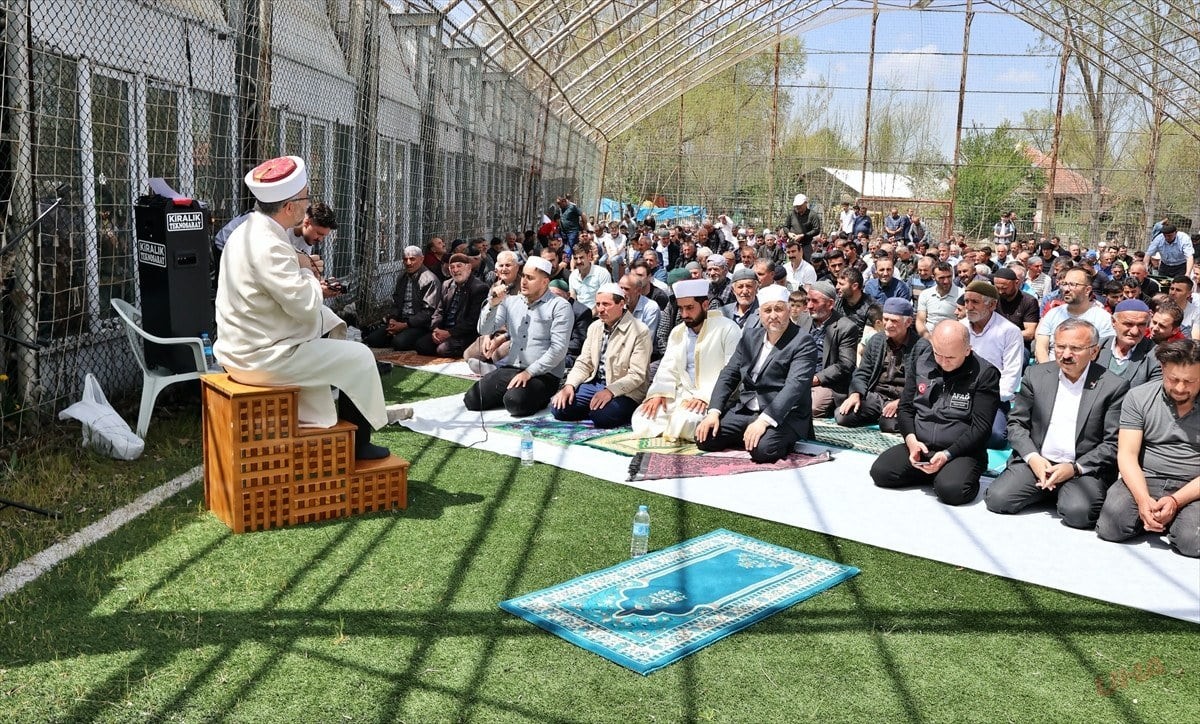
(946, 410)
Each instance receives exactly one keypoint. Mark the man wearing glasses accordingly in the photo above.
(272, 327)
(1063, 432)
(1076, 289)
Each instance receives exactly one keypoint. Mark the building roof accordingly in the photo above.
(1067, 181)
(874, 183)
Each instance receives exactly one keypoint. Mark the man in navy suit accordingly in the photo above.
(761, 402)
(1063, 432)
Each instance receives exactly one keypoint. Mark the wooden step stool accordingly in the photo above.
(263, 471)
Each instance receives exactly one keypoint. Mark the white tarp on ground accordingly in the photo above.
(839, 498)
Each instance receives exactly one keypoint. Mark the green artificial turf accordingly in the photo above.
(393, 617)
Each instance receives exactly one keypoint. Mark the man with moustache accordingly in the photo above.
(744, 309)
(878, 380)
(1076, 289)
(835, 346)
(761, 400)
(696, 351)
(1129, 353)
(608, 380)
(1063, 432)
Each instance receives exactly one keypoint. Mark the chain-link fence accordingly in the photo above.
(1086, 127)
(408, 134)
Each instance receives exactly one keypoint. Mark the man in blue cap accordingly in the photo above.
(879, 378)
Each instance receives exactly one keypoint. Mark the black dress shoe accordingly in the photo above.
(371, 452)
(385, 368)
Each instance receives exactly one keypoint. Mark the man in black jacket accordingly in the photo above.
(760, 402)
(946, 412)
(802, 224)
(418, 292)
(878, 380)
(457, 315)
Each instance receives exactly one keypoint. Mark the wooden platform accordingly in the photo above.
(261, 470)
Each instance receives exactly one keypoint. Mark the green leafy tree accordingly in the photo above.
(994, 176)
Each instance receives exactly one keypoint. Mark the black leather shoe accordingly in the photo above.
(371, 452)
(385, 368)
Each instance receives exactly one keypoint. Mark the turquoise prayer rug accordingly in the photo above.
(652, 610)
(559, 433)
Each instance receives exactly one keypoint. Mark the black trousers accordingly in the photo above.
(775, 444)
(1078, 499)
(491, 392)
(955, 484)
(403, 341)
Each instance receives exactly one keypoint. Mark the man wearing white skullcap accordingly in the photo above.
(417, 296)
(608, 379)
(272, 328)
(696, 351)
(802, 224)
(761, 400)
(539, 324)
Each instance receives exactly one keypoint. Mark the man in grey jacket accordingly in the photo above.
(836, 339)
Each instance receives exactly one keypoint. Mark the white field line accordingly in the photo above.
(30, 569)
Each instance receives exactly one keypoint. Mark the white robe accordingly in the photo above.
(270, 322)
(715, 344)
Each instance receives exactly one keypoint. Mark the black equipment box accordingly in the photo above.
(173, 248)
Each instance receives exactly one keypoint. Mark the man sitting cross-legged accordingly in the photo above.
(946, 411)
(457, 314)
(761, 399)
(696, 352)
(877, 383)
(540, 325)
(1157, 447)
(608, 380)
(1063, 432)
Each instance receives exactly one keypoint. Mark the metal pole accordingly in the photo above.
(22, 207)
(862, 183)
(600, 182)
(962, 93)
(679, 158)
(774, 137)
(1048, 217)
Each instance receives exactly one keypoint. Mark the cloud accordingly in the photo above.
(916, 68)
(1023, 78)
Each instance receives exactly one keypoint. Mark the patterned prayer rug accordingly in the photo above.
(551, 430)
(650, 611)
(628, 443)
(656, 466)
(863, 439)
(411, 359)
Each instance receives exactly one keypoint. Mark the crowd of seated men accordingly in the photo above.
(1080, 362)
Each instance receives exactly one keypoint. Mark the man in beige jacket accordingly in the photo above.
(608, 379)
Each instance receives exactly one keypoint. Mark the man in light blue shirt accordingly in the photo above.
(1175, 250)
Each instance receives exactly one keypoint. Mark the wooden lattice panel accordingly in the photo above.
(262, 472)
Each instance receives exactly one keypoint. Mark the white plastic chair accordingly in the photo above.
(154, 379)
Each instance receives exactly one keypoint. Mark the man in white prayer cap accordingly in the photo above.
(802, 224)
(272, 328)
(696, 352)
(539, 325)
(761, 400)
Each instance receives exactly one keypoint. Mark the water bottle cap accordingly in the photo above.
(643, 508)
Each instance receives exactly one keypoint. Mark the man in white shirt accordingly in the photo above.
(1076, 289)
(998, 341)
(587, 277)
(1180, 292)
(799, 272)
(939, 302)
(846, 219)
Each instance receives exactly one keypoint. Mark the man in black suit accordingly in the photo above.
(946, 411)
(457, 314)
(835, 341)
(1063, 432)
(1130, 354)
(769, 371)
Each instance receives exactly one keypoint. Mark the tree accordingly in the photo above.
(994, 177)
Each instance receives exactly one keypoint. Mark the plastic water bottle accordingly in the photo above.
(527, 448)
(641, 532)
(210, 362)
